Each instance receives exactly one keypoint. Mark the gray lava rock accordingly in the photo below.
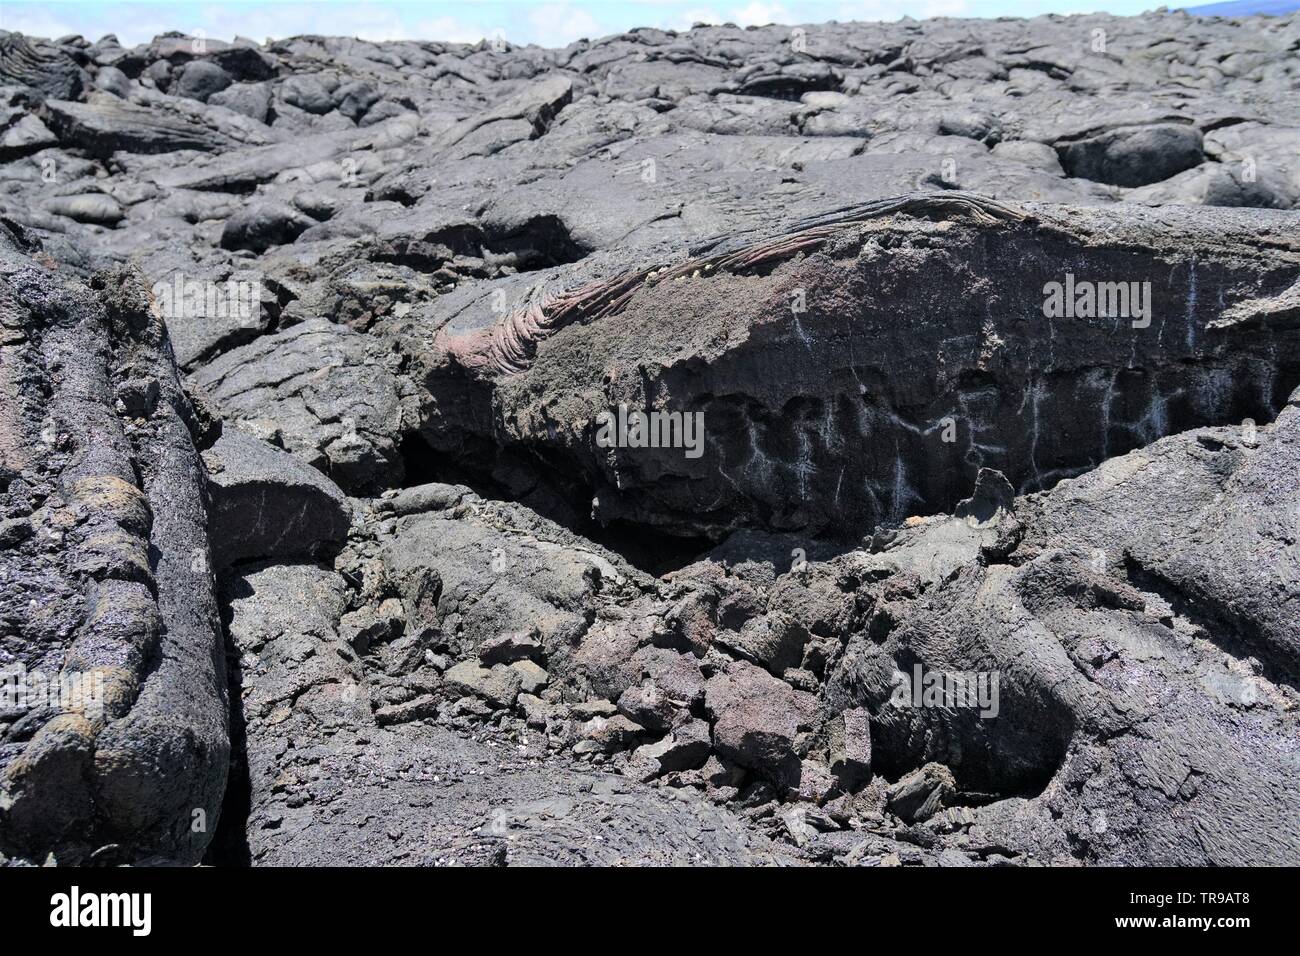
(94, 208)
(268, 504)
(40, 65)
(354, 99)
(112, 80)
(498, 685)
(301, 683)
(111, 595)
(608, 735)
(320, 391)
(508, 648)
(260, 226)
(922, 793)
(306, 93)
(849, 745)
(757, 719)
(868, 380)
(199, 80)
(27, 135)
(251, 99)
(1134, 156)
(105, 124)
(533, 679)
(686, 748)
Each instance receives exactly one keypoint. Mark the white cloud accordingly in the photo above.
(37, 22)
(688, 18)
(757, 14)
(140, 23)
(885, 10)
(451, 30)
(559, 24)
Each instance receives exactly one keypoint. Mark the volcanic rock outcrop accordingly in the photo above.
(866, 444)
(115, 741)
(880, 411)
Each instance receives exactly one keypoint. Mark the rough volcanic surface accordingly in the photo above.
(855, 444)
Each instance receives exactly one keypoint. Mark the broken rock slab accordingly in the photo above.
(757, 719)
(873, 417)
(499, 685)
(922, 793)
(104, 124)
(267, 504)
(687, 747)
(849, 745)
(320, 391)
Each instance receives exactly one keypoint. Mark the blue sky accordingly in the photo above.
(544, 22)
